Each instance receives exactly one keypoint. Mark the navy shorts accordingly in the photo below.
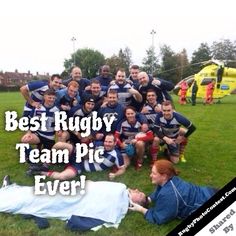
(173, 149)
(47, 143)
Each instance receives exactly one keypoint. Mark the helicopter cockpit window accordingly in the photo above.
(206, 81)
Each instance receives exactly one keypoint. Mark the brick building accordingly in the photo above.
(17, 79)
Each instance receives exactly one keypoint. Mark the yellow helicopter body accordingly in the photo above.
(226, 86)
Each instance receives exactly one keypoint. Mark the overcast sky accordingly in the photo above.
(36, 35)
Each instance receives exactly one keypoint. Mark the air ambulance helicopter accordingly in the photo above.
(217, 70)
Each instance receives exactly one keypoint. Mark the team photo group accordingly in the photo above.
(138, 124)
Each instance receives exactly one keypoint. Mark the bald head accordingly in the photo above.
(143, 78)
(76, 73)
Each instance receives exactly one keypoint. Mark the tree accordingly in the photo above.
(128, 56)
(125, 56)
(224, 50)
(88, 60)
(203, 53)
(183, 66)
(65, 74)
(115, 63)
(123, 60)
(169, 64)
(150, 62)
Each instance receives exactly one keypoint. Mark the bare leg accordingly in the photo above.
(30, 138)
(68, 173)
(174, 159)
(63, 136)
(140, 149)
(154, 149)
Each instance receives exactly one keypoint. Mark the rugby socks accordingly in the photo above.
(182, 146)
(49, 173)
(154, 152)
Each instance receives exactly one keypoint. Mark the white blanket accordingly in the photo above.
(103, 200)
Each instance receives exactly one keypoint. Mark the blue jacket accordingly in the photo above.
(104, 81)
(176, 199)
(62, 98)
(161, 91)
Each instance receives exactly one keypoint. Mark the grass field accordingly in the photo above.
(210, 154)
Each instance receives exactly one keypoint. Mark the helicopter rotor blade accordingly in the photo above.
(180, 67)
(204, 63)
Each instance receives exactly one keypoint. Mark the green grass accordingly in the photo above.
(210, 158)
